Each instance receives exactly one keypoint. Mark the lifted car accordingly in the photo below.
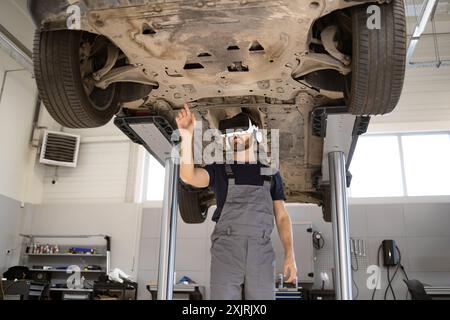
(280, 61)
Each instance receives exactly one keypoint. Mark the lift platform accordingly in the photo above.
(340, 132)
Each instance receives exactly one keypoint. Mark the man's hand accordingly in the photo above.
(290, 269)
(186, 120)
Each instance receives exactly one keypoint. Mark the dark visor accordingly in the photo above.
(241, 122)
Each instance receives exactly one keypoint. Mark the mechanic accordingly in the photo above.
(248, 202)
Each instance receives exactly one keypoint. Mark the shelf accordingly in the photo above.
(64, 255)
(71, 290)
(56, 236)
(65, 271)
(59, 260)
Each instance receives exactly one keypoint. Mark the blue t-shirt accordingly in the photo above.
(245, 174)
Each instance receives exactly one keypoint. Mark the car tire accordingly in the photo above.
(376, 82)
(58, 75)
(189, 202)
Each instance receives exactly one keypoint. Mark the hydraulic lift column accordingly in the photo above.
(168, 232)
(338, 143)
(155, 134)
(340, 225)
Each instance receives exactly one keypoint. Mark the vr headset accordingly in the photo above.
(240, 124)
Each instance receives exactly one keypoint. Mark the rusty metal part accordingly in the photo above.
(310, 62)
(113, 55)
(125, 74)
(328, 40)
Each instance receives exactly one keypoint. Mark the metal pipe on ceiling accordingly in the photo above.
(427, 11)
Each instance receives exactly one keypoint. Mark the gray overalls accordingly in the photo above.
(242, 254)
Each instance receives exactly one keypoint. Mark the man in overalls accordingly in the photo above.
(248, 203)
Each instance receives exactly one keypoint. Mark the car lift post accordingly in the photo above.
(168, 231)
(341, 135)
(340, 225)
(156, 135)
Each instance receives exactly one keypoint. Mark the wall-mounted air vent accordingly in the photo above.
(60, 149)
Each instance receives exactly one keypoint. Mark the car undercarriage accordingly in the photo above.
(276, 60)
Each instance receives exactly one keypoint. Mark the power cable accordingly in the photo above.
(378, 278)
(407, 278)
(390, 280)
(353, 271)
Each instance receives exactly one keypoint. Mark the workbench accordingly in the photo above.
(194, 291)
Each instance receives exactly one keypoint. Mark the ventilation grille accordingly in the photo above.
(60, 149)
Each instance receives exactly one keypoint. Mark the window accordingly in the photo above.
(376, 168)
(401, 165)
(427, 164)
(154, 181)
(383, 166)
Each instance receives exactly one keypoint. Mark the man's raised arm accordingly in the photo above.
(196, 177)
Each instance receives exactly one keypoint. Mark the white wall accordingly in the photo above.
(15, 18)
(101, 175)
(17, 110)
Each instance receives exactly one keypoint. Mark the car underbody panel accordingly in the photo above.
(189, 50)
(192, 52)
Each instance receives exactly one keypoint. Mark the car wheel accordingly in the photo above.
(189, 202)
(379, 56)
(64, 62)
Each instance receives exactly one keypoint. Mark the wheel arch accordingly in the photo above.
(42, 10)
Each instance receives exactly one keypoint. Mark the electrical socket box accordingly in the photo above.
(390, 253)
